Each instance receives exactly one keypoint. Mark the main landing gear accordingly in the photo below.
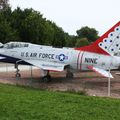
(17, 75)
(69, 74)
(47, 77)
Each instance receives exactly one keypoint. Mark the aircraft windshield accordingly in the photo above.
(11, 45)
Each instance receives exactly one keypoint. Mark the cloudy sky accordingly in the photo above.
(71, 15)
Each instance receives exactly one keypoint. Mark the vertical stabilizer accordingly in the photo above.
(107, 44)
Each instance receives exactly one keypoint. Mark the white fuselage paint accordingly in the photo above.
(78, 60)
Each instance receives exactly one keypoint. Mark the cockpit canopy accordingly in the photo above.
(1, 45)
(11, 45)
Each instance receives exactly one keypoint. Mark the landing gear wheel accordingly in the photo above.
(69, 75)
(18, 75)
(46, 78)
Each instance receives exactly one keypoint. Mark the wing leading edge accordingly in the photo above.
(53, 66)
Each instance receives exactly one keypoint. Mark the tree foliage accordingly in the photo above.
(90, 33)
(29, 25)
(4, 4)
(82, 42)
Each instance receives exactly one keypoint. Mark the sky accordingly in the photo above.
(71, 15)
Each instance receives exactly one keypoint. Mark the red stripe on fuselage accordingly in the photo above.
(78, 60)
(81, 60)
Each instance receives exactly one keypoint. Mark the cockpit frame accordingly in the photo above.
(11, 45)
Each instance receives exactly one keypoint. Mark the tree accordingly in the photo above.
(82, 42)
(4, 4)
(90, 33)
(32, 27)
(29, 25)
(6, 32)
(70, 40)
(59, 37)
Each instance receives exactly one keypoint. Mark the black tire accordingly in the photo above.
(18, 75)
(69, 75)
(46, 78)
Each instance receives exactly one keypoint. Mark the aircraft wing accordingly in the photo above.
(53, 66)
(101, 71)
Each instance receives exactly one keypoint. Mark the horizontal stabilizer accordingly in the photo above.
(53, 66)
(101, 71)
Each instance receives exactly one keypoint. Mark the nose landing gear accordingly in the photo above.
(17, 75)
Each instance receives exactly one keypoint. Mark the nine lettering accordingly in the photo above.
(91, 60)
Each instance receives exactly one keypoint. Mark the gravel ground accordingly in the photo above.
(90, 82)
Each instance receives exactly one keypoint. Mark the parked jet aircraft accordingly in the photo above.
(99, 56)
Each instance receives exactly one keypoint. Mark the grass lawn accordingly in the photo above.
(19, 103)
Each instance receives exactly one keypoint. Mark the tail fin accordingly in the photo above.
(107, 44)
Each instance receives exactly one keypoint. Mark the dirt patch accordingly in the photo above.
(90, 82)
